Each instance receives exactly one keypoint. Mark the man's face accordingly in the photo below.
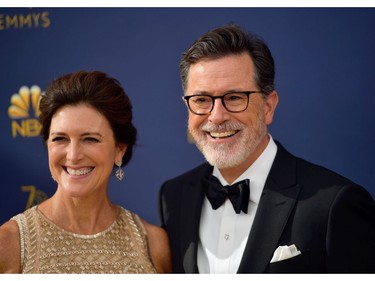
(229, 140)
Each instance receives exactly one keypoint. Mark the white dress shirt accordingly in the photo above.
(223, 233)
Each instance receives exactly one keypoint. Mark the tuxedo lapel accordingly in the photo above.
(275, 206)
(191, 208)
(272, 215)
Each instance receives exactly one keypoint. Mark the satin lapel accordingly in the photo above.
(191, 208)
(272, 215)
(275, 206)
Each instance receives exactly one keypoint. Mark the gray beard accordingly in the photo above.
(230, 155)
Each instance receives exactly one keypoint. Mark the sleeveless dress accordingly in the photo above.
(47, 248)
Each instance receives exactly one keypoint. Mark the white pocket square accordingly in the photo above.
(285, 252)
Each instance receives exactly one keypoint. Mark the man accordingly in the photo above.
(299, 217)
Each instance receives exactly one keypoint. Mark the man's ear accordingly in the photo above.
(270, 105)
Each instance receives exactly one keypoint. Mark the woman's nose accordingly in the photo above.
(74, 151)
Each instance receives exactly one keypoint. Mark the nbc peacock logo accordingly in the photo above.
(24, 110)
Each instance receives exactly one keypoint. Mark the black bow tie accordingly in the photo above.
(237, 193)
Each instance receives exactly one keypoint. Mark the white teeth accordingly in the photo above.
(78, 172)
(222, 134)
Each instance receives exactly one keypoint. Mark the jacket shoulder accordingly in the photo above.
(307, 171)
(191, 176)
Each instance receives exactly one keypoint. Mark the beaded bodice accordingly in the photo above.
(46, 248)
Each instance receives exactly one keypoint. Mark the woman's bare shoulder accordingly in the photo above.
(159, 247)
(10, 249)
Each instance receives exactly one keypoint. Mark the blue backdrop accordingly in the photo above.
(324, 58)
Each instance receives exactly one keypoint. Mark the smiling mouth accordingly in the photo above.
(78, 172)
(221, 135)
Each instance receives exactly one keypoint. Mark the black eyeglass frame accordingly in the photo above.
(213, 98)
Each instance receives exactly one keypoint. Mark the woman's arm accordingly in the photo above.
(159, 248)
(10, 249)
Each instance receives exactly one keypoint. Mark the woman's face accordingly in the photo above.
(82, 150)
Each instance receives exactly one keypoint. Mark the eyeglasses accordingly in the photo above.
(233, 102)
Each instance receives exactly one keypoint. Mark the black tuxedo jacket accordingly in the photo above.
(330, 219)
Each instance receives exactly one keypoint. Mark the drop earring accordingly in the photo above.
(119, 173)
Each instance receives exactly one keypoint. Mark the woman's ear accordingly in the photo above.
(121, 149)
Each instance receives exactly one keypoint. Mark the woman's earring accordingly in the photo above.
(119, 173)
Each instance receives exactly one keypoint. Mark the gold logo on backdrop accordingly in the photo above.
(21, 21)
(36, 196)
(24, 109)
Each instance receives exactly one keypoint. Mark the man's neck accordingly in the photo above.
(231, 174)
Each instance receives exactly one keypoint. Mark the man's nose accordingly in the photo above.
(219, 113)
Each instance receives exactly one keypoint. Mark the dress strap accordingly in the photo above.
(22, 227)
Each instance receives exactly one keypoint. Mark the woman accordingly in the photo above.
(87, 127)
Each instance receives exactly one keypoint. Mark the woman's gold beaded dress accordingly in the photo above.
(46, 248)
